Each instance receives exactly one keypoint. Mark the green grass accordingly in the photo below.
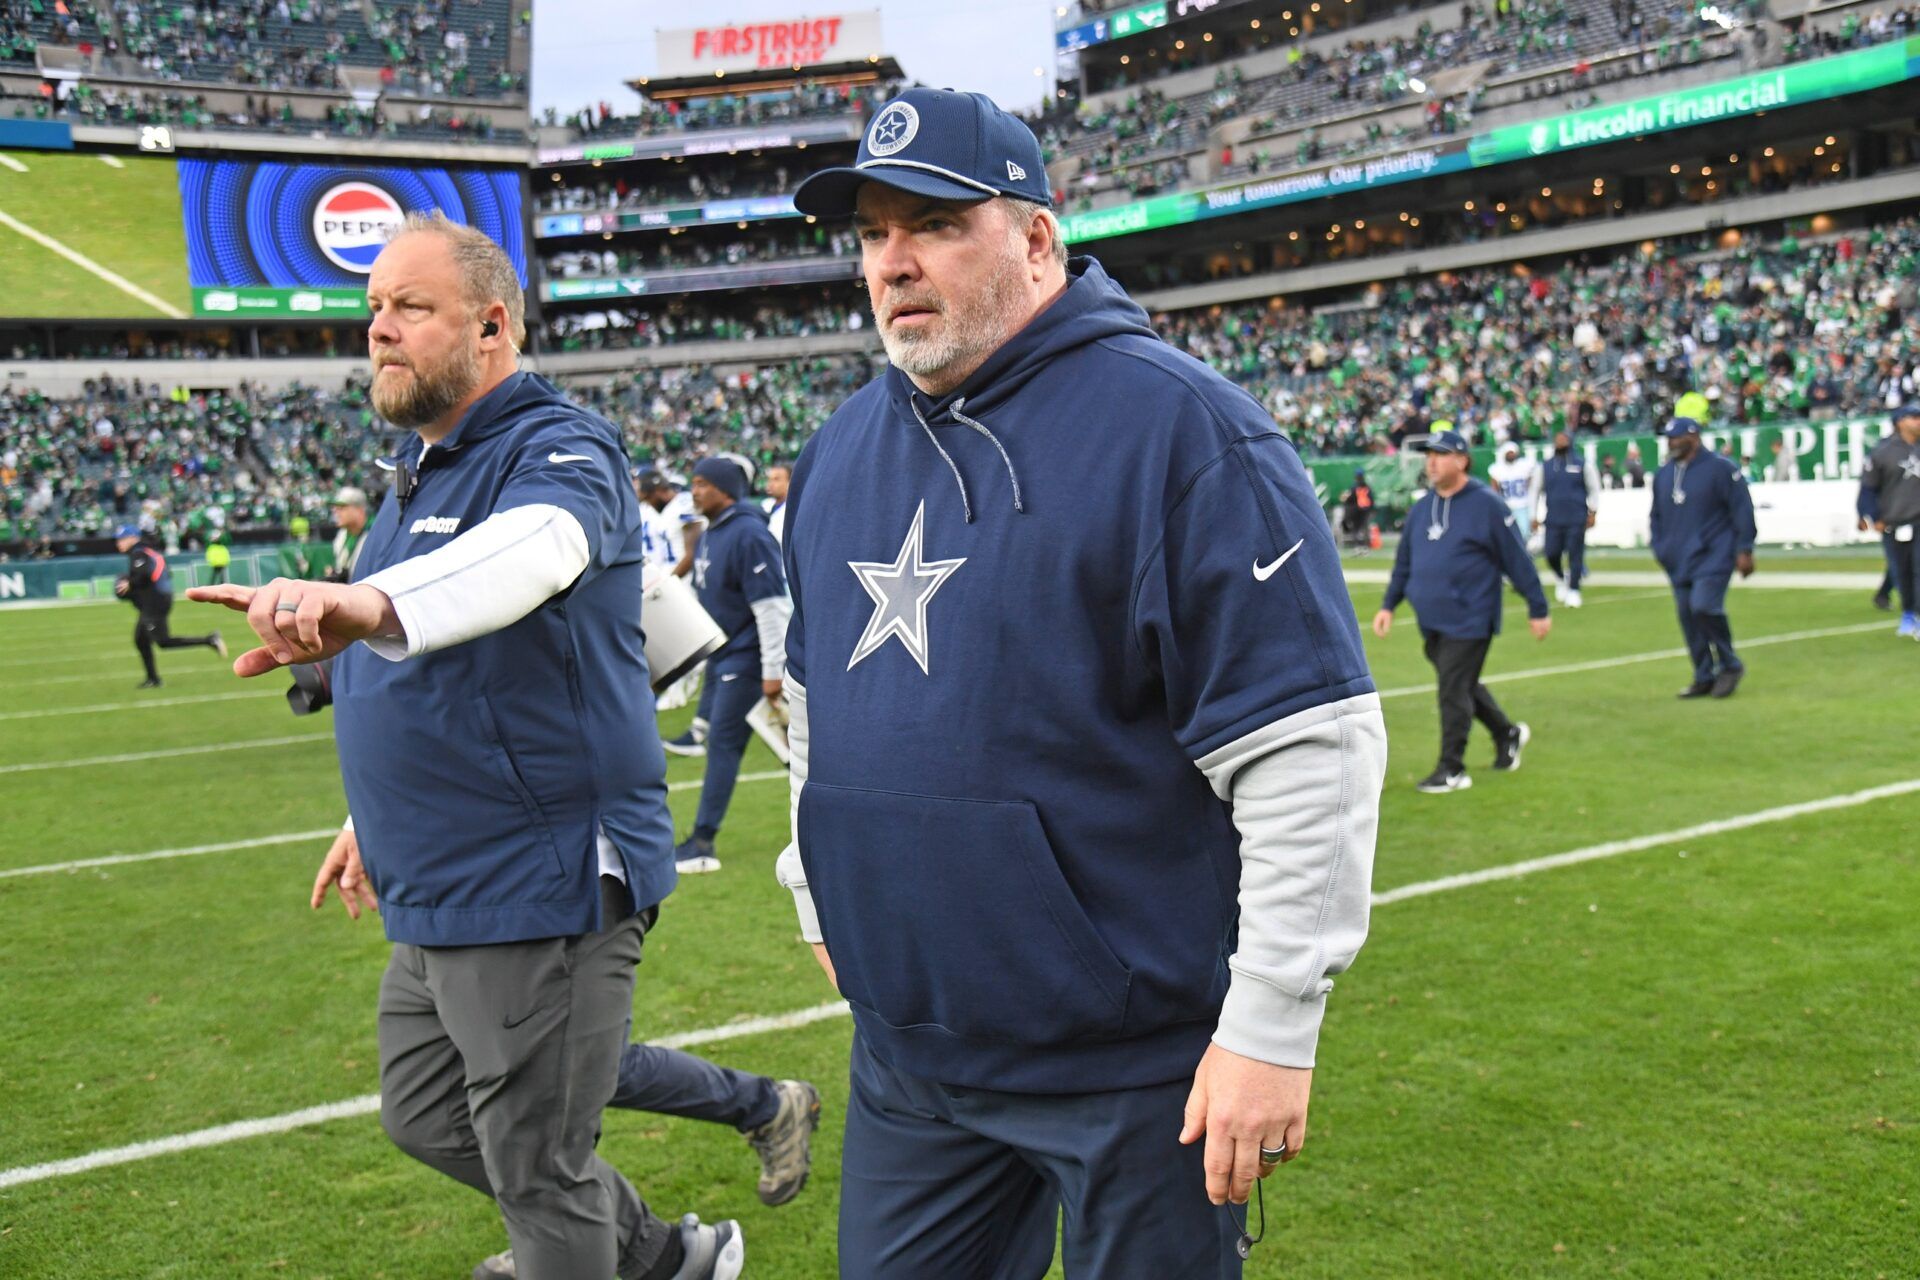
(126, 220)
(1655, 1065)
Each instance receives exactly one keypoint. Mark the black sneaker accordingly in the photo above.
(1727, 682)
(717, 1252)
(1508, 757)
(785, 1143)
(1884, 603)
(685, 745)
(1439, 782)
(1698, 689)
(694, 855)
(152, 682)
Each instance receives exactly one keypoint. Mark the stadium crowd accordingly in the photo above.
(724, 111)
(106, 105)
(771, 244)
(1775, 331)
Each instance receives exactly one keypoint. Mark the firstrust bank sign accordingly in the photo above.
(753, 46)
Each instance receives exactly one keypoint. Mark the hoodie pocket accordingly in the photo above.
(508, 770)
(954, 913)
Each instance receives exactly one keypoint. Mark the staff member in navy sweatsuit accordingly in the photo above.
(1702, 533)
(1569, 489)
(1459, 539)
(1086, 755)
(148, 586)
(737, 573)
(504, 778)
(1890, 499)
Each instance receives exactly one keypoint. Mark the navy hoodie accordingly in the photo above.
(1700, 536)
(1452, 553)
(737, 564)
(1022, 612)
(480, 775)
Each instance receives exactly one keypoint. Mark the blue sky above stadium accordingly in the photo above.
(583, 53)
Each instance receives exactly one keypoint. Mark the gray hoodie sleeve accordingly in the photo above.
(1305, 792)
(788, 869)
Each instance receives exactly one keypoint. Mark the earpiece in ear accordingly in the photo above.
(488, 329)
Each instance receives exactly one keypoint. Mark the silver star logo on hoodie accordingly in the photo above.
(900, 592)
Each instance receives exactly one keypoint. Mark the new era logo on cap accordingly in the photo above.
(940, 144)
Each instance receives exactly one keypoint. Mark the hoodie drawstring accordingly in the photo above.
(1018, 506)
(965, 505)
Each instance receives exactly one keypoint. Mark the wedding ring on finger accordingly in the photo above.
(287, 606)
(1273, 1155)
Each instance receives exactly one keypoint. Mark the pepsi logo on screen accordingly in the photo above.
(353, 221)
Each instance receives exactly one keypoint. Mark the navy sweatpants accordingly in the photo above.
(1569, 540)
(728, 733)
(1702, 606)
(669, 1082)
(941, 1183)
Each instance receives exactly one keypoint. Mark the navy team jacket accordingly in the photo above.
(1700, 537)
(478, 775)
(1452, 554)
(1022, 613)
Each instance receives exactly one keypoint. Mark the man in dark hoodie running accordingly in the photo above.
(1086, 754)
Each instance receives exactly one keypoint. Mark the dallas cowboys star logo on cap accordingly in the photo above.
(894, 129)
(900, 592)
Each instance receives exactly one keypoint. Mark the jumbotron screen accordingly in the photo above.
(124, 237)
(299, 239)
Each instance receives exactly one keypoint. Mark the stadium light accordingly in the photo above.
(1207, 37)
(1819, 151)
(1829, 140)
(1546, 191)
(1413, 222)
(1125, 59)
(1674, 169)
(1359, 224)
(1256, 24)
(1768, 153)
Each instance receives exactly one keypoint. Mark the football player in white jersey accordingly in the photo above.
(1512, 478)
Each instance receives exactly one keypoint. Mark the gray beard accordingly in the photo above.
(429, 396)
(962, 338)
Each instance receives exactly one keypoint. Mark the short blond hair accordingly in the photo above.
(487, 274)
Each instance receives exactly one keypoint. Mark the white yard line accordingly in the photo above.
(35, 682)
(368, 1104)
(136, 706)
(41, 766)
(85, 263)
(1614, 848)
(11, 163)
(113, 162)
(285, 837)
(1657, 655)
(93, 655)
(1601, 576)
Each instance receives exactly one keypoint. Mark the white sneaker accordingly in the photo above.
(1573, 599)
(1560, 590)
(696, 865)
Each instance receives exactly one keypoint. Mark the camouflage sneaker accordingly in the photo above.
(785, 1143)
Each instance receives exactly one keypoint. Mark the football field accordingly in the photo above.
(82, 236)
(1691, 1048)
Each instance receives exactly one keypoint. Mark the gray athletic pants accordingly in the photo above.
(495, 1063)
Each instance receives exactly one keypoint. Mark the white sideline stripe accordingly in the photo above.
(91, 656)
(288, 837)
(85, 263)
(367, 1104)
(1657, 655)
(96, 676)
(130, 757)
(1768, 578)
(11, 163)
(131, 706)
(186, 851)
(112, 162)
(1614, 848)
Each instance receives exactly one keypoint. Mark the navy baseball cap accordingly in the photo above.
(1911, 409)
(1682, 427)
(1445, 442)
(937, 143)
(127, 531)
